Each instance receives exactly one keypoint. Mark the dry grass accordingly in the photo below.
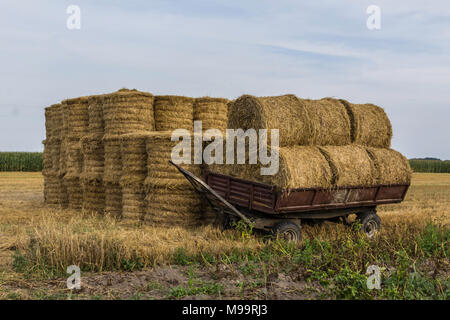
(55, 238)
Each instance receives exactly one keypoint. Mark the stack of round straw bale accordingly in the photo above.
(55, 193)
(213, 112)
(174, 112)
(128, 111)
(94, 157)
(134, 171)
(112, 175)
(347, 142)
(96, 126)
(170, 199)
(72, 178)
(75, 125)
(92, 175)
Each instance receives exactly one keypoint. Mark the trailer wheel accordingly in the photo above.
(370, 223)
(287, 230)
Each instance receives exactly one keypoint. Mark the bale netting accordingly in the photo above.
(391, 166)
(170, 208)
(95, 111)
(285, 113)
(133, 201)
(213, 112)
(93, 196)
(93, 150)
(329, 122)
(77, 118)
(370, 126)
(113, 160)
(174, 112)
(53, 121)
(299, 167)
(74, 187)
(351, 165)
(113, 199)
(54, 191)
(160, 173)
(127, 111)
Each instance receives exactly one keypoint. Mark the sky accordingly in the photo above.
(227, 48)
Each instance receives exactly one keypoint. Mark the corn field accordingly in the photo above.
(21, 161)
(434, 166)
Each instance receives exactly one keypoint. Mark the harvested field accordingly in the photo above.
(178, 263)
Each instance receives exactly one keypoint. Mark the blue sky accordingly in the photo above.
(228, 48)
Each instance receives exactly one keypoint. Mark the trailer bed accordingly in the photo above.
(256, 196)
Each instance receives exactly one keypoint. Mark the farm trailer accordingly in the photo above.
(280, 212)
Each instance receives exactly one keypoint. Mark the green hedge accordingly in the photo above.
(436, 166)
(21, 161)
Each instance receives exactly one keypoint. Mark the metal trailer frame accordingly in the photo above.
(266, 206)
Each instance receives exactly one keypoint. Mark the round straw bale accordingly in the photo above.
(285, 113)
(53, 121)
(77, 117)
(160, 173)
(329, 122)
(213, 112)
(127, 111)
(169, 208)
(133, 149)
(74, 190)
(351, 165)
(174, 112)
(113, 160)
(133, 202)
(370, 126)
(299, 167)
(55, 194)
(95, 112)
(391, 166)
(93, 196)
(74, 156)
(93, 157)
(113, 199)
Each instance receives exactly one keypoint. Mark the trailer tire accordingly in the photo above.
(370, 223)
(287, 230)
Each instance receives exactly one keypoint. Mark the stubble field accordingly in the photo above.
(122, 260)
